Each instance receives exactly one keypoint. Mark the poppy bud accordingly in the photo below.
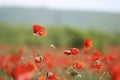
(52, 46)
(38, 59)
(41, 58)
(49, 74)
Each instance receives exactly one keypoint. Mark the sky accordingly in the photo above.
(89, 5)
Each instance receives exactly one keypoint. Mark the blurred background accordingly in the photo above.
(68, 22)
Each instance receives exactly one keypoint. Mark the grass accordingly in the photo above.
(58, 35)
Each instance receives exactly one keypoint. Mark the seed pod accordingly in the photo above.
(41, 58)
(97, 62)
(52, 46)
(49, 74)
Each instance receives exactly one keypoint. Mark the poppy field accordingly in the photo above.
(81, 60)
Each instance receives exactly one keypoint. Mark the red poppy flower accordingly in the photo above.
(74, 51)
(97, 66)
(88, 43)
(52, 76)
(2, 79)
(67, 52)
(24, 72)
(115, 72)
(42, 77)
(96, 52)
(79, 65)
(39, 30)
(15, 58)
(95, 57)
(110, 57)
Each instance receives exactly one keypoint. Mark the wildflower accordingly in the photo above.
(52, 76)
(2, 79)
(97, 65)
(94, 57)
(67, 52)
(39, 30)
(88, 43)
(15, 58)
(96, 52)
(24, 72)
(74, 51)
(79, 65)
(115, 72)
(110, 58)
(42, 77)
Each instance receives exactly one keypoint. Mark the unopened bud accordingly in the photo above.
(52, 46)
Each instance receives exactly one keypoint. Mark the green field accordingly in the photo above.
(60, 36)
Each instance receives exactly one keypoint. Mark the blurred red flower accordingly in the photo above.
(2, 79)
(74, 51)
(79, 65)
(52, 77)
(42, 77)
(115, 72)
(39, 30)
(97, 66)
(94, 57)
(38, 59)
(110, 58)
(96, 52)
(67, 52)
(15, 58)
(88, 43)
(24, 72)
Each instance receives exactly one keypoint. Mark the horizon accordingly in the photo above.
(45, 8)
(79, 5)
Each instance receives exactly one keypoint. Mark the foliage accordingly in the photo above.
(58, 35)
